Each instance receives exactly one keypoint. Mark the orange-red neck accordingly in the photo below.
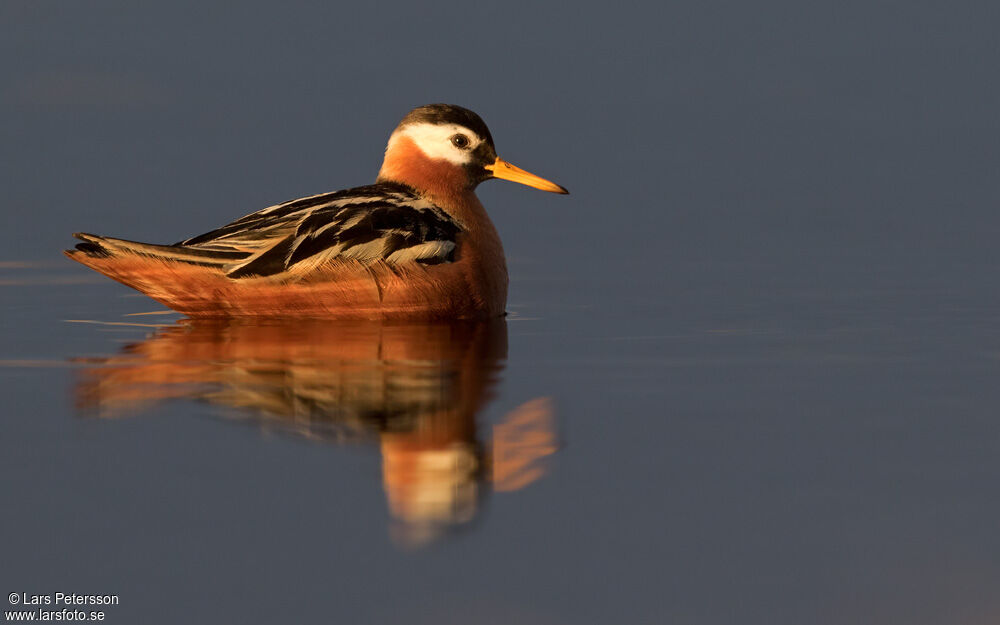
(447, 184)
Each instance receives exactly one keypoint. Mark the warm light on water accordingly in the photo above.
(414, 391)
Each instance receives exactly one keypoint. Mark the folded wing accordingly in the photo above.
(378, 223)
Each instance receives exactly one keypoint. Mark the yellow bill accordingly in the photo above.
(502, 169)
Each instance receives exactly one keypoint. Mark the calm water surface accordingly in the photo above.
(749, 373)
(800, 459)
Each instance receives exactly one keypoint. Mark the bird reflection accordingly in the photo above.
(414, 390)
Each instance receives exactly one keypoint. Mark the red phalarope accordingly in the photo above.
(416, 244)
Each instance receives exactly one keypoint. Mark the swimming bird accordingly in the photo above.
(416, 244)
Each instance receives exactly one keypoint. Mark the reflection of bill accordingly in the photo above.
(415, 389)
(433, 482)
(521, 442)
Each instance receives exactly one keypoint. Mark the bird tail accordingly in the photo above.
(182, 277)
(97, 248)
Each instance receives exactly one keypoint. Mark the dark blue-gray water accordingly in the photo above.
(749, 375)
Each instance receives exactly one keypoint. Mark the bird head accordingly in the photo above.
(442, 146)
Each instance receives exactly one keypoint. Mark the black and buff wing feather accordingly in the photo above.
(382, 222)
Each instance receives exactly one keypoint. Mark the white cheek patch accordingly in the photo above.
(434, 140)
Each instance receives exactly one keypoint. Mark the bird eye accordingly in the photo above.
(460, 141)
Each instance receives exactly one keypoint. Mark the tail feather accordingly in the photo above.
(94, 246)
(179, 276)
(91, 249)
